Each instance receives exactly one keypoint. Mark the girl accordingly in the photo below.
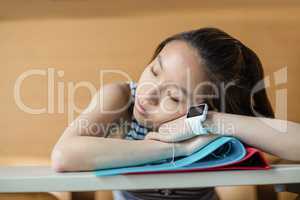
(204, 65)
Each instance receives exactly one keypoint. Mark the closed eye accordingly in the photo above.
(153, 72)
(172, 97)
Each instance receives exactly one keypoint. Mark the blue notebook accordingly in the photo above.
(221, 151)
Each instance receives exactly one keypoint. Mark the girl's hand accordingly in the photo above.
(192, 145)
(172, 131)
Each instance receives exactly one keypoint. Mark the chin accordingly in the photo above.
(143, 120)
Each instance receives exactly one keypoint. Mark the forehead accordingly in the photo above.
(182, 65)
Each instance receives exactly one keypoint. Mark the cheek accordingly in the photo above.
(167, 106)
(169, 110)
(170, 106)
(162, 116)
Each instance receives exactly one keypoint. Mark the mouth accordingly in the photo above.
(140, 108)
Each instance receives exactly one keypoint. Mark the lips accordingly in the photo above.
(140, 108)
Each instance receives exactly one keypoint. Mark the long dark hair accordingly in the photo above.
(226, 59)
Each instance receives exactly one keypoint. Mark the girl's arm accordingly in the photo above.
(83, 153)
(82, 146)
(274, 136)
(277, 137)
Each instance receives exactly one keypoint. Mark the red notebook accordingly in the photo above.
(253, 160)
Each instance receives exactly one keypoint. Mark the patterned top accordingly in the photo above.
(138, 132)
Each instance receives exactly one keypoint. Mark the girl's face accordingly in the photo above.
(168, 85)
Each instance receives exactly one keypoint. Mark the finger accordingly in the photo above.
(161, 137)
(154, 136)
(169, 134)
(151, 136)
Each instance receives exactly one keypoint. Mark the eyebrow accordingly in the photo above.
(160, 62)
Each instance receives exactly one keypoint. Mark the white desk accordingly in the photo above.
(44, 179)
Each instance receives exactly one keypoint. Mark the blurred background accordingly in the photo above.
(68, 42)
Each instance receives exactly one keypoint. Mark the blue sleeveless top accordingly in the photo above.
(137, 131)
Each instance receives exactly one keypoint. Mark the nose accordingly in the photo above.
(151, 97)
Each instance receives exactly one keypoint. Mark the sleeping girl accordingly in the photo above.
(187, 69)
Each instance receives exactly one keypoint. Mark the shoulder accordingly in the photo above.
(113, 96)
(119, 92)
(116, 88)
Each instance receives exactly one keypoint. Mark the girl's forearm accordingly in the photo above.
(82, 153)
(274, 136)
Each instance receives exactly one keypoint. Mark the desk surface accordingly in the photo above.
(44, 179)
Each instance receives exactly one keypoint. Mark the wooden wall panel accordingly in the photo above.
(79, 38)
